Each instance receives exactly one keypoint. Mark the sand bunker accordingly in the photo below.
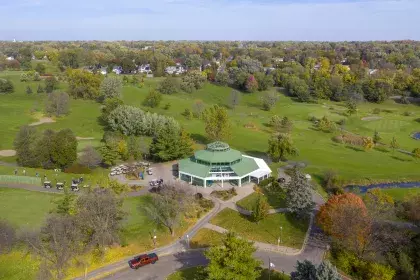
(371, 118)
(7, 153)
(42, 121)
(84, 138)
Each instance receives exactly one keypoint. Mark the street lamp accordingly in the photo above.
(188, 241)
(154, 238)
(281, 233)
(278, 244)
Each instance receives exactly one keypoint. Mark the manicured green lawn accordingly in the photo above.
(250, 201)
(267, 231)
(206, 238)
(400, 193)
(26, 209)
(189, 273)
(315, 148)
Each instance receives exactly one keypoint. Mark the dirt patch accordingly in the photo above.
(42, 121)
(84, 138)
(7, 153)
(371, 118)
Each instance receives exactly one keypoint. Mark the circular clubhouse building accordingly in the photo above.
(218, 163)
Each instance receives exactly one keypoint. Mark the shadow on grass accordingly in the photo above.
(401, 159)
(357, 149)
(199, 138)
(259, 154)
(381, 149)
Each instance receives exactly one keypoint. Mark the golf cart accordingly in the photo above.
(47, 184)
(149, 171)
(75, 187)
(156, 182)
(60, 186)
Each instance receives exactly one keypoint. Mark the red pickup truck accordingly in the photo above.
(142, 260)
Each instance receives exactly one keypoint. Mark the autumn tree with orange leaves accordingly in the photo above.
(345, 218)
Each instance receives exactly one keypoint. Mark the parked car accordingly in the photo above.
(143, 260)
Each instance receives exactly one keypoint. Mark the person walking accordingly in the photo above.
(16, 172)
(24, 172)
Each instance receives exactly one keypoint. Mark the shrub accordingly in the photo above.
(77, 169)
(167, 106)
(6, 86)
(153, 99)
(187, 114)
(376, 111)
(169, 86)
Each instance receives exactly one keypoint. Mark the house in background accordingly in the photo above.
(144, 68)
(177, 69)
(103, 71)
(117, 70)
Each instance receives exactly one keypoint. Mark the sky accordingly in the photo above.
(274, 20)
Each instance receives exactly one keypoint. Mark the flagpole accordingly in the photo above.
(269, 268)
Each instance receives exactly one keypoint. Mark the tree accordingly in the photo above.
(346, 219)
(153, 99)
(326, 271)
(233, 260)
(298, 88)
(193, 61)
(7, 237)
(416, 153)
(351, 107)
(264, 81)
(137, 148)
(83, 84)
(192, 81)
(280, 145)
(170, 85)
(128, 65)
(57, 104)
(111, 87)
(90, 157)
(67, 204)
(37, 77)
(217, 124)
(394, 144)
(286, 124)
(304, 271)
(109, 105)
(222, 78)
(251, 84)
(260, 211)
(379, 204)
(234, 98)
(269, 99)
(59, 241)
(171, 143)
(411, 208)
(51, 84)
(64, 148)
(25, 146)
(299, 195)
(24, 77)
(368, 143)
(169, 206)
(6, 86)
(276, 123)
(28, 90)
(109, 155)
(99, 213)
(44, 149)
(40, 89)
(198, 108)
(376, 137)
(325, 124)
(40, 68)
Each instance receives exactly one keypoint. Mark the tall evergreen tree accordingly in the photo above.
(326, 271)
(64, 151)
(299, 195)
(260, 211)
(25, 146)
(233, 260)
(171, 143)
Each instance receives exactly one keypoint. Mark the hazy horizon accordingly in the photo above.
(204, 20)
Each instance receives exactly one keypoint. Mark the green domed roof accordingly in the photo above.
(218, 152)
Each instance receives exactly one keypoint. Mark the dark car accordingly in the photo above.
(143, 260)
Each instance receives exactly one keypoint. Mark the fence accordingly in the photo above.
(26, 180)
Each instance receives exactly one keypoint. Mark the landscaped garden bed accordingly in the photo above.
(225, 194)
